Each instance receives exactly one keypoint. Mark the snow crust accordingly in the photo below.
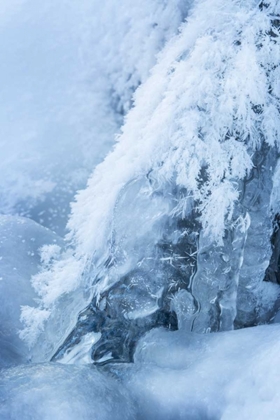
(232, 375)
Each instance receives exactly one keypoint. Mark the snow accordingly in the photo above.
(232, 375)
(47, 146)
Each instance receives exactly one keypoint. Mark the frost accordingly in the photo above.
(49, 253)
(186, 121)
(33, 319)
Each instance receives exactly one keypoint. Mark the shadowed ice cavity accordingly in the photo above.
(20, 243)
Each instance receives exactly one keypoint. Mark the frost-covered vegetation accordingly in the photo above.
(169, 110)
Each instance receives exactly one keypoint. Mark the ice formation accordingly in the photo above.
(175, 235)
(175, 224)
(211, 376)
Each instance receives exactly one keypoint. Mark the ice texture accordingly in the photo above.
(256, 299)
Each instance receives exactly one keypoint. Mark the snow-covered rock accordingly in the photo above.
(231, 375)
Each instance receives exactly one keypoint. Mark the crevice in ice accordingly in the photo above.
(273, 270)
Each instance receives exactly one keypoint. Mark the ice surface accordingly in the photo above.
(53, 391)
(81, 353)
(20, 243)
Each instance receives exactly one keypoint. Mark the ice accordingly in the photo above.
(176, 234)
(20, 243)
(53, 391)
(216, 281)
